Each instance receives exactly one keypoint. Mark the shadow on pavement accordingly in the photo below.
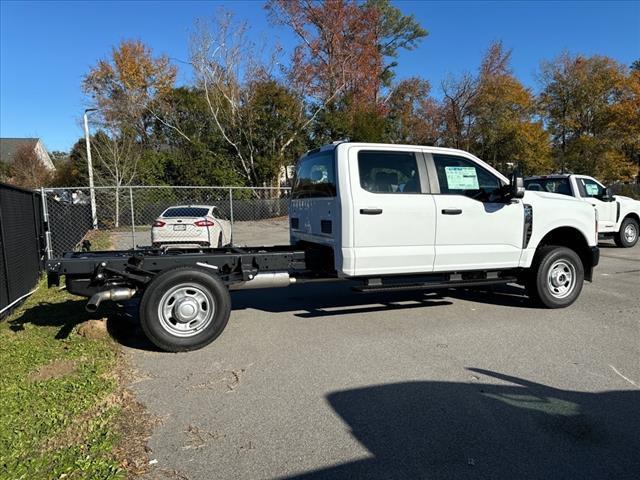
(315, 300)
(511, 430)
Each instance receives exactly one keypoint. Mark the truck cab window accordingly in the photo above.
(388, 172)
(460, 176)
(590, 188)
(315, 176)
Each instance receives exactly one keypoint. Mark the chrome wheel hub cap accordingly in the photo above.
(185, 310)
(630, 233)
(561, 279)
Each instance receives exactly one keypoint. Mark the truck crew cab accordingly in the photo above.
(385, 217)
(618, 216)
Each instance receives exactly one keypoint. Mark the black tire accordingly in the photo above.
(555, 265)
(220, 240)
(628, 234)
(189, 288)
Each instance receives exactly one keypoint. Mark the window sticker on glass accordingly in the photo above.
(462, 178)
(591, 188)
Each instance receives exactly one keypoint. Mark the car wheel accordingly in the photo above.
(556, 278)
(627, 236)
(184, 308)
(220, 240)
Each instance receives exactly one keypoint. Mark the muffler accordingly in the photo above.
(115, 294)
(266, 280)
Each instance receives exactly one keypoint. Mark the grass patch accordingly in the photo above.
(55, 386)
(100, 240)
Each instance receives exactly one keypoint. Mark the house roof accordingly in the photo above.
(9, 147)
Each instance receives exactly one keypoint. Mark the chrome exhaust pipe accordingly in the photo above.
(115, 294)
(265, 280)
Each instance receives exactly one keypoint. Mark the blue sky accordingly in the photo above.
(47, 47)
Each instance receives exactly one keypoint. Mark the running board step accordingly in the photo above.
(390, 287)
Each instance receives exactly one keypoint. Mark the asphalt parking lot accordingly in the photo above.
(314, 381)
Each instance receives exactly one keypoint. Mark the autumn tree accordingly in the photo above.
(27, 170)
(505, 130)
(124, 86)
(413, 116)
(345, 56)
(591, 106)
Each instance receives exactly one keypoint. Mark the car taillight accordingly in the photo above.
(158, 223)
(204, 223)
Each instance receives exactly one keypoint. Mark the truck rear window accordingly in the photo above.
(552, 185)
(315, 176)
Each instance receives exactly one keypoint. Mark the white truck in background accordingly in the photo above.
(618, 216)
(384, 217)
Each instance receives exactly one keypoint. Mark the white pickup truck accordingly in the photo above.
(384, 217)
(618, 216)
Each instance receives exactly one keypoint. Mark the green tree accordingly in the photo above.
(394, 32)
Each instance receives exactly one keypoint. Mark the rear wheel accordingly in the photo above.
(220, 240)
(556, 277)
(184, 308)
(627, 236)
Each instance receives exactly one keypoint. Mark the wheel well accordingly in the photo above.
(632, 215)
(573, 239)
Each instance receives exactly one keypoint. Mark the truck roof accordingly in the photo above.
(429, 148)
(553, 175)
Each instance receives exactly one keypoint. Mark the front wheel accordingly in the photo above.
(556, 277)
(184, 308)
(627, 236)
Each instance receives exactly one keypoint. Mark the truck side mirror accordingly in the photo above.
(607, 196)
(516, 185)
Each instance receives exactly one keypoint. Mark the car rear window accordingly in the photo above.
(185, 212)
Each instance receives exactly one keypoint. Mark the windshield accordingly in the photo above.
(552, 185)
(185, 212)
(315, 176)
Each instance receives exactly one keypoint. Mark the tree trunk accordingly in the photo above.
(117, 213)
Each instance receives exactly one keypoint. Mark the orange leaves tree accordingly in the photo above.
(507, 130)
(339, 64)
(592, 106)
(27, 170)
(124, 86)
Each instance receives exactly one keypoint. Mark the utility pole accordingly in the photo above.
(92, 194)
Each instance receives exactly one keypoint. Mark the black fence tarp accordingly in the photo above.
(21, 242)
(68, 225)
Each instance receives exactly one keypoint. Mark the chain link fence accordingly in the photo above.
(134, 217)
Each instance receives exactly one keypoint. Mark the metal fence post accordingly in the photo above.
(231, 213)
(47, 229)
(133, 221)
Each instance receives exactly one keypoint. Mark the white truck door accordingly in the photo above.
(476, 228)
(593, 191)
(393, 214)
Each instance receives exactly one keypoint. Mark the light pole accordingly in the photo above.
(92, 195)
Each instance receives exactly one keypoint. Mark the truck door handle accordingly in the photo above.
(370, 211)
(451, 211)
